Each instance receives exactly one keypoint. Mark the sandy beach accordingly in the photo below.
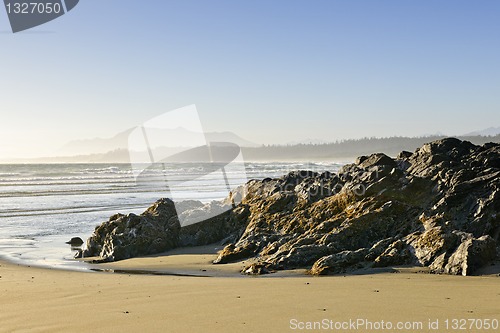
(50, 300)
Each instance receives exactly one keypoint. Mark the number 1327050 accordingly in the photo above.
(471, 324)
(34, 8)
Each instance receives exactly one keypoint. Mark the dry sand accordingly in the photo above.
(49, 300)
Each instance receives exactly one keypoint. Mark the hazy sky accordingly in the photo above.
(272, 71)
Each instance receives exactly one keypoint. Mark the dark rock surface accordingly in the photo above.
(158, 230)
(437, 207)
(75, 241)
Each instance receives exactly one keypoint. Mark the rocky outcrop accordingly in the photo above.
(436, 207)
(158, 230)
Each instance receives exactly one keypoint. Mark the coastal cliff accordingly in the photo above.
(437, 207)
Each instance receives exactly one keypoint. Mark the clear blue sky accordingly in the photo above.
(272, 71)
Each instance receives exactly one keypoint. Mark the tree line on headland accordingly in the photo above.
(349, 149)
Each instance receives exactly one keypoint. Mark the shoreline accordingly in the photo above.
(197, 261)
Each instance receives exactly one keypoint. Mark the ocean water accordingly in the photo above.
(43, 206)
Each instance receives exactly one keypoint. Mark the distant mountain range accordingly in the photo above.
(174, 138)
(95, 145)
(491, 131)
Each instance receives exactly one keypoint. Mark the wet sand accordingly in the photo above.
(50, 300)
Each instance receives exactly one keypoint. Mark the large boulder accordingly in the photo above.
(126, 236)
(158, 230)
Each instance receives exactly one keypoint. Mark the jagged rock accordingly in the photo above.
(158, 230)
(396, 254)
(232, 253)
(75, 241)
(213, 229)
(378, 248)
(126, 236)
(470, 255)
(338, 262)
(297, 256)
(436, 207)
(314, 189)
(432, 243)
(256, 269)
(377, 160)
